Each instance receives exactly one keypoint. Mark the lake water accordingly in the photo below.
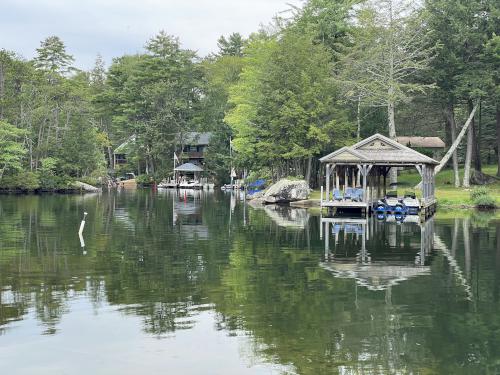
(205, 284)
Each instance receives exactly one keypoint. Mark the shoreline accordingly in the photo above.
(315, 203)
(306, 203)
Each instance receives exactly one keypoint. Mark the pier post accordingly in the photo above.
(328, 170)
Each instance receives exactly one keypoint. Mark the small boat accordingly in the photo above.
(230, 187)
(190, 185)
(412, 203)
(393, 203)
(167, 184)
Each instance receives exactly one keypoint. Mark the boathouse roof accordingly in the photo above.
(378, 149)
(377, 276)
(189, 167)
(423, 142)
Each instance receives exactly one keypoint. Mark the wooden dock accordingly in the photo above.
(356, 176)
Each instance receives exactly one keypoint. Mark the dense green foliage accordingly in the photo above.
(319, 79)
(51, 117)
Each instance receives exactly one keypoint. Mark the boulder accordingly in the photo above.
(256, 195)
(479, 178)
(285, 191)
(86, 187)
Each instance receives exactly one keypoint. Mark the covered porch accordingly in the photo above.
(356, 177)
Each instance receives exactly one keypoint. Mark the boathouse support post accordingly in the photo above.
(337, 179)
(378, 183)
(346, 178)
(365, 195)
(424, 182)
(333, 171)
(328, 182)
(433, 183)
(364, 170)
(386, 170)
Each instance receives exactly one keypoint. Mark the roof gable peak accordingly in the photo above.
(378, 141)
(343, 151)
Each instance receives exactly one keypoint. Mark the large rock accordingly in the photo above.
(86, 187)
(285, 191)
(479, 178)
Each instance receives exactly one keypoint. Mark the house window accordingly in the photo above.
(120, 158)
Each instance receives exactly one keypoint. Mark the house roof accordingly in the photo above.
(189, 167)
(377, 149)
(424, 142)
(195, 138)
(126, 147)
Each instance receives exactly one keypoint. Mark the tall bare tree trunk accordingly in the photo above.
(358, 117)
(468, 154)
(454, 146)
(111, 158)
(392, 133)
(309, 167)
(390, 94)
(450, 119)
(498, 137)
(477, 141)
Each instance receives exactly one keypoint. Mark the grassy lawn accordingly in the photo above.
(446, 193)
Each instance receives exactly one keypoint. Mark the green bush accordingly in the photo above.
(50, 182)
(485, 201)
(144, 179)
(21, 181)
(263, 173)
(478, 192)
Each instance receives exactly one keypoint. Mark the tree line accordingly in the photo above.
(319, 77)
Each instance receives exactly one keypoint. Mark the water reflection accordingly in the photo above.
(285, 216)
(163, 275)
(356, 250)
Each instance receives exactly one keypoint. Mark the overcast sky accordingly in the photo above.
(116, 27)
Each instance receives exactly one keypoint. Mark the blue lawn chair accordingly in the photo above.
(349, 193)
(337, 195)
(360, 194)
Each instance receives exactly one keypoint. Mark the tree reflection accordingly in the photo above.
(167, 257)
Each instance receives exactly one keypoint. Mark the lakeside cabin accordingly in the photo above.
(192, 148)
(364, 167)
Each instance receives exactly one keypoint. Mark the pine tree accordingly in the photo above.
(52, 56)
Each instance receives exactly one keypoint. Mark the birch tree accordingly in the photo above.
(387, 50)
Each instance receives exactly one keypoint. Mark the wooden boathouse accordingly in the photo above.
(356, 176)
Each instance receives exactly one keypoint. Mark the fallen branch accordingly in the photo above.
(455, 144)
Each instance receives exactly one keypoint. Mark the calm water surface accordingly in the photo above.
(205, 284)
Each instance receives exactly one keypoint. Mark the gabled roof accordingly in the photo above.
(188, 167)
(195, 138)
(375, 276)
(424, 142)
(126, 147)
(378, 149)
(345, 153)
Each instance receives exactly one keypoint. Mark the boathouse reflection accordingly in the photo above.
(187, 213)
(377, 253)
